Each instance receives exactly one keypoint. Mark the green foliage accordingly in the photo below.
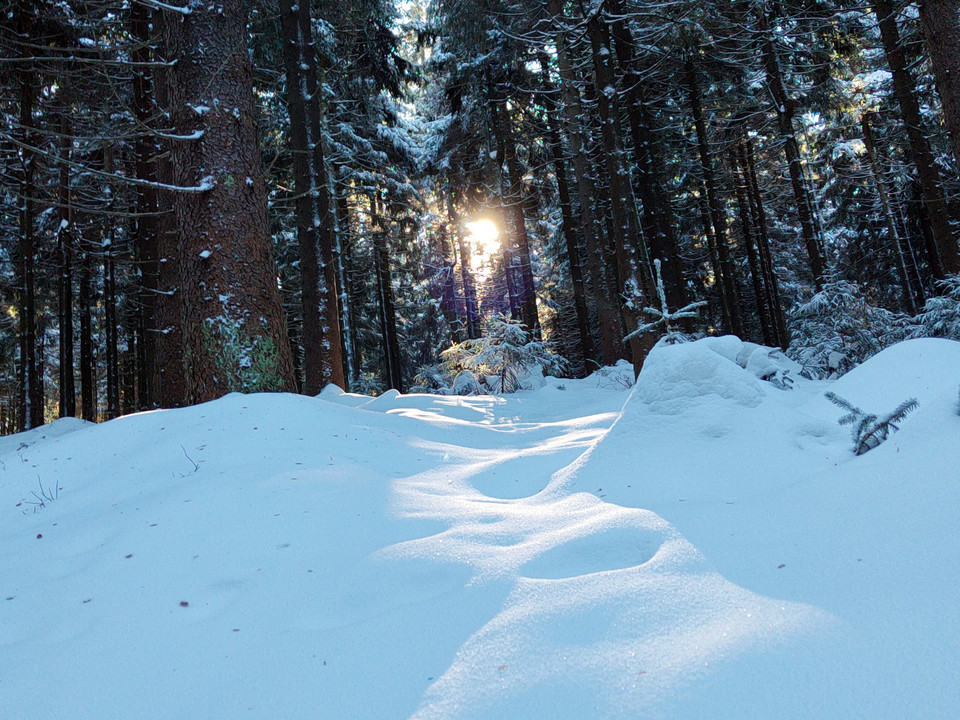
(368, 383)
(940, 316)
(837, 329)
(870, 430)
(502, 358)
(244, 363)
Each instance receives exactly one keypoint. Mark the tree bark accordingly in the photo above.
(471, 307)
(386, 303)
(111, 363)
(323, 361)
(85, 301)
(448, 281)
(785, 109)
(145, 224)
(611, 344)
(68, 398)
(31, 392)
(941, 30)
(657, 214)
(568, 224)
(633, 263)
(718, 218)
(167, 370)
(763, 245)
(748, 225)
(233, 325)
(349, 341)
(942, 252)
(893, 234)
(525, 290)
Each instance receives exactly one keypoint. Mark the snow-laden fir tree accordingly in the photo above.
(838, 328)
(503, 359)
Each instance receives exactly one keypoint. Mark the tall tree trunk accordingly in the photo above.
(495, 184)
(704, 209)
(748, 226)
(85, 302)
(611, 344)
(349, 341)
(111, 364)
(31, 397)
(941, 30)
(942, 252)
(128, 374)
(633, 262)
(471, 308)
(893, 234)
(145, 225)
(525, 290)
(749, 162)
(718, 218)
(448, 282)
(167, 367)
(32, 400)
(385, 299)
(657, 214)
(323, 361)
(68, 397)
(568, 224)
(785, 108)
(234, 330)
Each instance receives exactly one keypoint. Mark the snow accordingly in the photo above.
(703, 545)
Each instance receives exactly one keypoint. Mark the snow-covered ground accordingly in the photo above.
(705, 545)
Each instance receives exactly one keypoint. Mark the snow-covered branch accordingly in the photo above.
(157, 5)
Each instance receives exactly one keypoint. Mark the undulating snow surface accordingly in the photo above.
(705, 545)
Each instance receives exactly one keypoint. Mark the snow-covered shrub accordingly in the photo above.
(870, 430)
(615, 377)
(466, 384)
(367, 384)
(940, 316)
(430, 379)
(837, 329)
(505, 359)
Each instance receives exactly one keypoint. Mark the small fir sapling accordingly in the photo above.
(870, 430)
(664, 317)
(501, 359)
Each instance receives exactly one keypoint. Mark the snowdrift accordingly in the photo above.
(705, 545)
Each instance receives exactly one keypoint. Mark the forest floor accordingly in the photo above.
(701, 545)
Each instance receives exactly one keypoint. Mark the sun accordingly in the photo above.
(485, 236)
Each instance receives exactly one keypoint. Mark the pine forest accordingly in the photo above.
(199, 197)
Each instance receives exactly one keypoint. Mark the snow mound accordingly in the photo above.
(702, 550)
(613, 377)
(55, 429)
(335, 394)
(673, 376)
(927, 369)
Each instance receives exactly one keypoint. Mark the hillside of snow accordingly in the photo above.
(704, 544)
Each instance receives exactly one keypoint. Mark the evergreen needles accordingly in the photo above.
(870, 430)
